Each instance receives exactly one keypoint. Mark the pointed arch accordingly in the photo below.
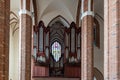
(60, 19)
(14, 21)
(98, 75)
(35, 11)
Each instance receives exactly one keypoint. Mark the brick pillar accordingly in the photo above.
(87, 40)
(4, 39)
(112, 40)
(25, 40)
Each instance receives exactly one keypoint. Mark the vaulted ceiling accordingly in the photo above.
(49, 9)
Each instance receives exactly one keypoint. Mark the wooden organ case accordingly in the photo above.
(72, 51)
(41, 51)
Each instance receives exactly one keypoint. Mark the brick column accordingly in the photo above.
(112, 40)
(4, 39)
(25, 40)
(87, 40)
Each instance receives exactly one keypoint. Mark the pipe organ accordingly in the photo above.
(72, 44)
(42, 53)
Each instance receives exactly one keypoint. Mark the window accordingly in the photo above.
(56, 51)
(96, 33)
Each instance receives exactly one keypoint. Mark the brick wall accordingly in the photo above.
(87, 44)
(26, 37)
(26, 41)
(87, 48)
(112, 40)
(4, 39)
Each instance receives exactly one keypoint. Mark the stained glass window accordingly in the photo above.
(56, 51)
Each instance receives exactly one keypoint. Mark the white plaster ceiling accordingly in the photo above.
(49, 9)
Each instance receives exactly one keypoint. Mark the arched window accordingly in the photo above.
(56, 51)
(96, 33)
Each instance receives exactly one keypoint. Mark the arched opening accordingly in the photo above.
(60, 19)
(56, 60)
(56, 51)
(57, 26)
(96, 33)
(98, 75)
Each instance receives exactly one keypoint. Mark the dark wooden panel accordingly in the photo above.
(72, 71)
(40, 71)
